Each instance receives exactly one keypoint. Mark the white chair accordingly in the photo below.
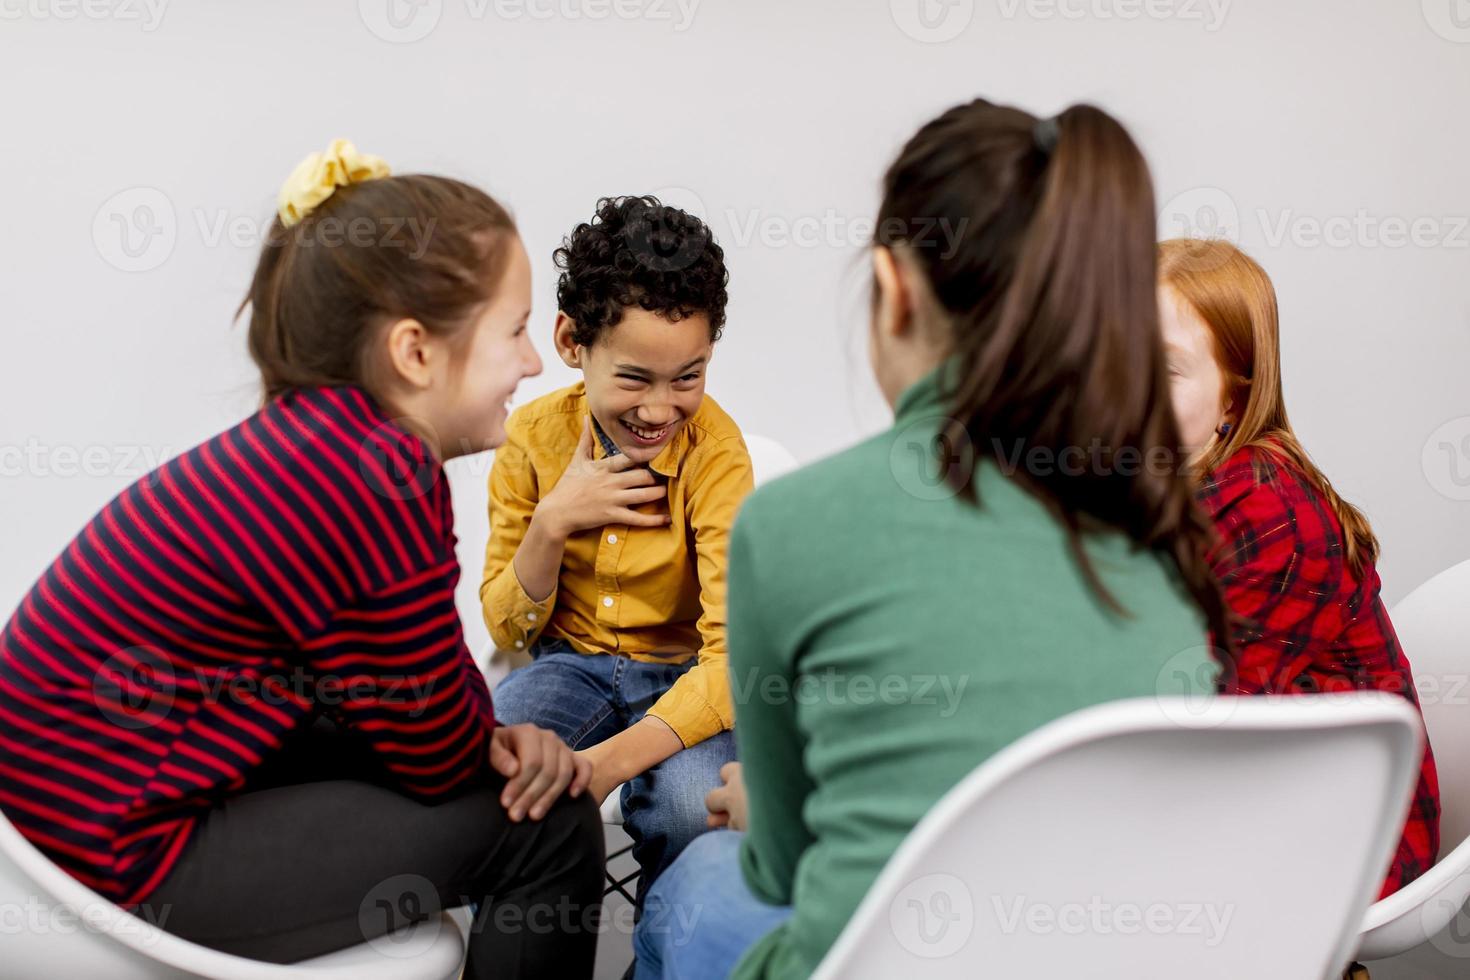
(57, 927)
(768, 458)
(1151, 838)
(1433, 624)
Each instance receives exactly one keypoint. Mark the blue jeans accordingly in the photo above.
(587, 699)
(701, 917)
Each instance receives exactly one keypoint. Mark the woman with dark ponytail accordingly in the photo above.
(1021, 543)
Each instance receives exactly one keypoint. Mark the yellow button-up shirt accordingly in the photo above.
(655, 594)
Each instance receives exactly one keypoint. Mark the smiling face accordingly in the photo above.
(1196, 383)
(495, 358)
(644, 376)
(453, 389)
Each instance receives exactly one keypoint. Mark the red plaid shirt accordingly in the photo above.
(1305, 623)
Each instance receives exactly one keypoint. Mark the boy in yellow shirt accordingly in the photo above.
(610, 505)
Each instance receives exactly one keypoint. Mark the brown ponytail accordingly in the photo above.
(418, 246)
(1049, 300)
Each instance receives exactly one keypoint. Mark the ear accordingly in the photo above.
(1235, 405)
(893, 312)
(566, 345)
(412, 352)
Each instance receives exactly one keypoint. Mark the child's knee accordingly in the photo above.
(668, 801)
(556, 692)
(585, 831)
(514, 697)
(674, 818)
(575, 835)
(714, 853)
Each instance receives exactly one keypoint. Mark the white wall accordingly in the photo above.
(771, 118)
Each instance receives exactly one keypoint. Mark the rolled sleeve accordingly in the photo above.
(699, 704)
(692, 717)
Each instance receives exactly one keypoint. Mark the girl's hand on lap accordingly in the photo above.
(726, 804)
(538, 767)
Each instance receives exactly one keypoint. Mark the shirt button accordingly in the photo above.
(612, 539)
(607, 600)
(531, 617)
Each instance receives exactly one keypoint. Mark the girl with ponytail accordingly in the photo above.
(240, 703)
(1019, 545)
(1295, 559)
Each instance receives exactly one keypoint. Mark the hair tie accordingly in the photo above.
(1044, 134)
(320, 174)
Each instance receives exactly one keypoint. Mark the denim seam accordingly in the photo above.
(615, 685)
(590, 725)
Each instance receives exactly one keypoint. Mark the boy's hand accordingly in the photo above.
(635, 749)
(537, 766)
(726, 804)
(597, 492)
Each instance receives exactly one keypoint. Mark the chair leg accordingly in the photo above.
(1356, 972)
(616, 884)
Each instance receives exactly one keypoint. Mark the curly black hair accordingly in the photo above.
(637, 251)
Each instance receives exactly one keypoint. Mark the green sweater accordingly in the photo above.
(887, 637)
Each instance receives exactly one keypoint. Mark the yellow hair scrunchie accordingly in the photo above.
(319, 175)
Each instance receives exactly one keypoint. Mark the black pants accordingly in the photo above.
(319, 853)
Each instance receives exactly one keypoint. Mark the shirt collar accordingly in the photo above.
(1233, 479)
(609, 448)
(926, 396)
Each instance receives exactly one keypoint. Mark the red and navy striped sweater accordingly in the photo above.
(302, 561)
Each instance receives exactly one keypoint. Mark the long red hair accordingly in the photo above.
(1234, 297)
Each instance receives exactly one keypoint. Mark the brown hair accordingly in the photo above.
(1048, 291)
(1234, 297)
(418, 246)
